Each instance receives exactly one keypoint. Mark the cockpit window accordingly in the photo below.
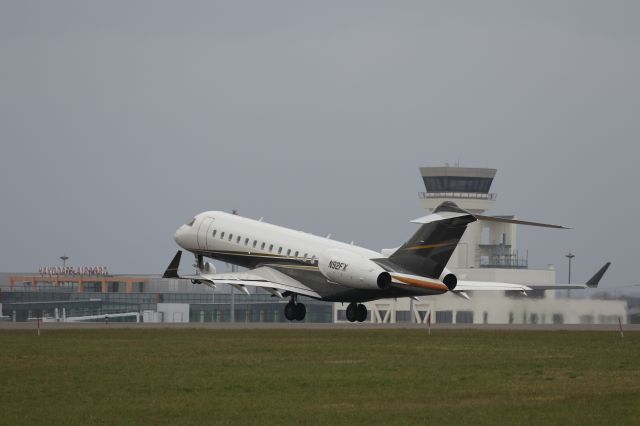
(191, 222)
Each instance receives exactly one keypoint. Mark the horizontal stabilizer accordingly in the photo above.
(448, 210)
(517, 222)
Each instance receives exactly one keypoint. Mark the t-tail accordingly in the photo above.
(427, 252)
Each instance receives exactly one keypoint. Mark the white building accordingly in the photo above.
(488, 251)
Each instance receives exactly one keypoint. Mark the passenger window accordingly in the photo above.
(289, 252)
(255, 242)
(305, 256)
(246, 241)
(262, 246)
(222, 236)
(270, 247)
(238, 239)
(230, 237)
(280, 250)
(213, 234)
(296, 254)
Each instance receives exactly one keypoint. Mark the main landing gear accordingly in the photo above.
(356, 312)
(295, 311)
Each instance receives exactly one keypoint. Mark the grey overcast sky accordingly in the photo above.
(119, 120)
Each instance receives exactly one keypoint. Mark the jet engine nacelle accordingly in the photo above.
(208, 268)
(449, 279)
(352, 270)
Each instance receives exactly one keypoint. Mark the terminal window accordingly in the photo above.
(444, 317)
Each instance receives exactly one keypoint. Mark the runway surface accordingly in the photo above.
(32, 325)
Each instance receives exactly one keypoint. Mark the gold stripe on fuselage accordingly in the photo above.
(431, 285)
(429, 246)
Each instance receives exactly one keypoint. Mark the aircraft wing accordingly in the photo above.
(264, 277)
(481, 285)
(490, 286)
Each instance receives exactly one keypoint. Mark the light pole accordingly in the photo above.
(569, 256)
(64, 259)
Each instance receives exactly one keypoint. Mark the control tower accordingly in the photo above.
(466, 186)
(488, 250)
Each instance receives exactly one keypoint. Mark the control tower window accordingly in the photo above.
(457, 184)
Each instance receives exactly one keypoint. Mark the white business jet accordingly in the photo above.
(289, 263)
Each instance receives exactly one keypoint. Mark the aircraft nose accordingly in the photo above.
(180, 236)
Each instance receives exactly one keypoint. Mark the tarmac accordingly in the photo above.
(32, 325)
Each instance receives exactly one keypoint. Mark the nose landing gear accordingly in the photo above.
(356, 312)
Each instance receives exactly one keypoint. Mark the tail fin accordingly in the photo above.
(427, 252)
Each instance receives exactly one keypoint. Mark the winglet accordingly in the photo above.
(172, 269)
(594, 280)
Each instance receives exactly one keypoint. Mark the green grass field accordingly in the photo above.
(200, 376)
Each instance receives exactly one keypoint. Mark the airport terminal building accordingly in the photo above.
(139, 298)
(487, 252)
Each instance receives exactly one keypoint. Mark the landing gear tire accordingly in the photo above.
(295, 311)
(352, 312)
(361, 313)
(300, 311)
(290, 311)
